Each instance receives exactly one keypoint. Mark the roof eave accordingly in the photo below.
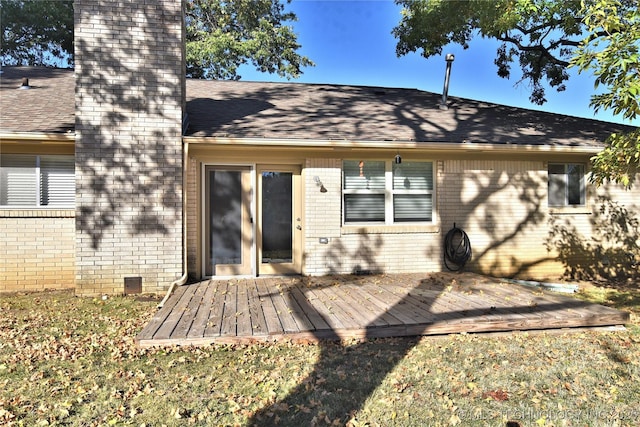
(391, 145)
(9, 137)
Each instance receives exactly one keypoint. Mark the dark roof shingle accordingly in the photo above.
(358, 113)
(48, 106)
(310, 111)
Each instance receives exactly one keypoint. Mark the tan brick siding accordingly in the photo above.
(501, 205)
(193, 219)
(355, 251)
(37, 250)
(322, 209)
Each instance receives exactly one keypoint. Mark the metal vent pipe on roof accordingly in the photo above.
(445, 91)
(25, 84)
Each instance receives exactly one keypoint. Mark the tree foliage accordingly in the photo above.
(221, 36)
(540, 35)
(36, 32)
(545, 38)
(611, 52)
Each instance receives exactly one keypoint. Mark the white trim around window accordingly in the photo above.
(37, 181)
(387, 193)
(566, 185)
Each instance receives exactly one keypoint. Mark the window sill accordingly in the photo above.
(569, 210)
(390, 229)
(37, 213)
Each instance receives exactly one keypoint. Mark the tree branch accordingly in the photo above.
(544, 51)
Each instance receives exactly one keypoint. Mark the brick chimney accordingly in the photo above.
(130, 97)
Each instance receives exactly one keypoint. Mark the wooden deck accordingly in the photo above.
(342, 307)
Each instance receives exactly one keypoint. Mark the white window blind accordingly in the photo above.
(57, 181)
(364, 191)
(412, 191)
(19, 185)
(382, 192)
(37, 181)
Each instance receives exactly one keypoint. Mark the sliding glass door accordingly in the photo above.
(237, 244)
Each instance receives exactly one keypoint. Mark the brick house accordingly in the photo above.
(141, 176)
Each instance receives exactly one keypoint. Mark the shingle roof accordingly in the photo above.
(310, 111)
(318, 111)
(48, 106)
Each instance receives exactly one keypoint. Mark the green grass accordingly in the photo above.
(73, 361)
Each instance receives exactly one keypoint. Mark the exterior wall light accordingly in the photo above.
(319, 184)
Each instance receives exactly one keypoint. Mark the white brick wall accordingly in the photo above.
(129, 95)
(503, 207)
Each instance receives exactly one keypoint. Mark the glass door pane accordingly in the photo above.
(279, 226)
(277, 221)
(228, 225)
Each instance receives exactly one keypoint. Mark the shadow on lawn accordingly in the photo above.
(347, 374)
(344, 377)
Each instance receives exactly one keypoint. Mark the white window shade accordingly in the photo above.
(364, 191)
(364, 175)
(364, 207)
(416, 176)
(18, 183)
(37, 181)
(412, 207)
(386, 192)
(412, 188)
(57, 181)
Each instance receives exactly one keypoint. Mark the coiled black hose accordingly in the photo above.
(457, 249)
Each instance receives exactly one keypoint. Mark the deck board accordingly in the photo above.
(272, 320)
(321, 306)
(244, 325)
(284, 312)
(168, 326)
(204, 312)
(256, 313)
(338, 308)
(185, 323)
(341, 307)
(317, 321)
(214, 324)
(229, 312)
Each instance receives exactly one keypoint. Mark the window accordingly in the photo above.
(387, 193)
(566, 184)
(37, 181)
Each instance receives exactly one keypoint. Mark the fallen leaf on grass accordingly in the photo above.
(499, 395)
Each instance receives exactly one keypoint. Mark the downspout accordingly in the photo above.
(182, 280)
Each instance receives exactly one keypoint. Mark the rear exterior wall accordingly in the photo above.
(501, 203)
(38, 250)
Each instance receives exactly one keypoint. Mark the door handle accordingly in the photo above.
(298, 227)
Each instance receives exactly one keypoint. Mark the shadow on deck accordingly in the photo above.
(344, 307)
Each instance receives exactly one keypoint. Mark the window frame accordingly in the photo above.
(389, 194)
(41, 173)
(553, 180)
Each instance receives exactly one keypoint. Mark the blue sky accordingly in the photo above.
(351, 43)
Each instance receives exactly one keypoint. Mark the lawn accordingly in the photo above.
(73, 361)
